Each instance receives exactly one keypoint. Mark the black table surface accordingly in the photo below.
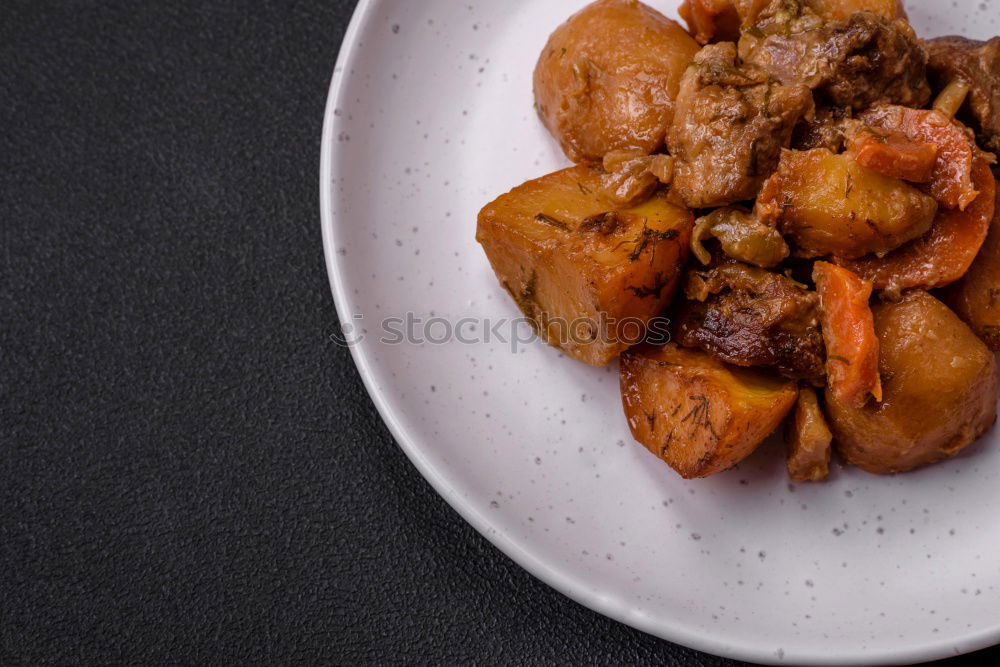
(190, 471)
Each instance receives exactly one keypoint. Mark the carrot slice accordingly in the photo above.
(711, 20)
(894, 154)
(849, 334)
(942, 255)
(951, 182)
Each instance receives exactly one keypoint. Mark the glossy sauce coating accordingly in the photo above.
(608, 77)
(939, 390)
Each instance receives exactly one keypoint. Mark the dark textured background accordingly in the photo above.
(189, 470)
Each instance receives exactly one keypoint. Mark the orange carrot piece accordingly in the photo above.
(849, 334)
(942, 255)
(951, 182)
(893, 154)
(711, 20)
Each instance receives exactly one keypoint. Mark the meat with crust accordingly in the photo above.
(749, 316)
(978, 64)
(729, 127)
(857, 62)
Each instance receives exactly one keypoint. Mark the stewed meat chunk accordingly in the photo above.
(749, 316)
(978, 64)
(857, 62)
(729, 127)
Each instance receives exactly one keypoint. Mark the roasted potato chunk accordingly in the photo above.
(608, 77)
(942, 255)
(694, 412)
(976, 297)
(829, 205)
(589, 277)
(809, 440)
(939, 390)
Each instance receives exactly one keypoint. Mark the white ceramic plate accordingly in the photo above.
(429, 118)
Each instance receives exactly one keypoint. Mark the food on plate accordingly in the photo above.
(810, 443)
(749, 316)
(844, 9)
(741, 235)
(939, 390)
(722, 20)
(765, 213)
(631, 178)
(950, 182)
(586, 275)
(827, 204)
(976, 297)
(942, 255)
(856, 62)
(608, 77)
(729, 127)
(829, 128)
(717, 20)
(849, 334)
(894, 154)
(695, 412)
(976, 64)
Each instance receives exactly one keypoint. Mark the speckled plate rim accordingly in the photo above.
(554, 576)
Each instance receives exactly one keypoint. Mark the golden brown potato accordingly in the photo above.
(809, 440)
(589, 277)
(696, 413)
(976, 297)
(944, 254)
(829, 205)
(608, 77)
(939, 390)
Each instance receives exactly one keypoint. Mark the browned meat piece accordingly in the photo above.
(978, 63)
(730, 125)
(722, 20)
(830, 128)
(809, 440)
(857, 62)
(753, 317)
